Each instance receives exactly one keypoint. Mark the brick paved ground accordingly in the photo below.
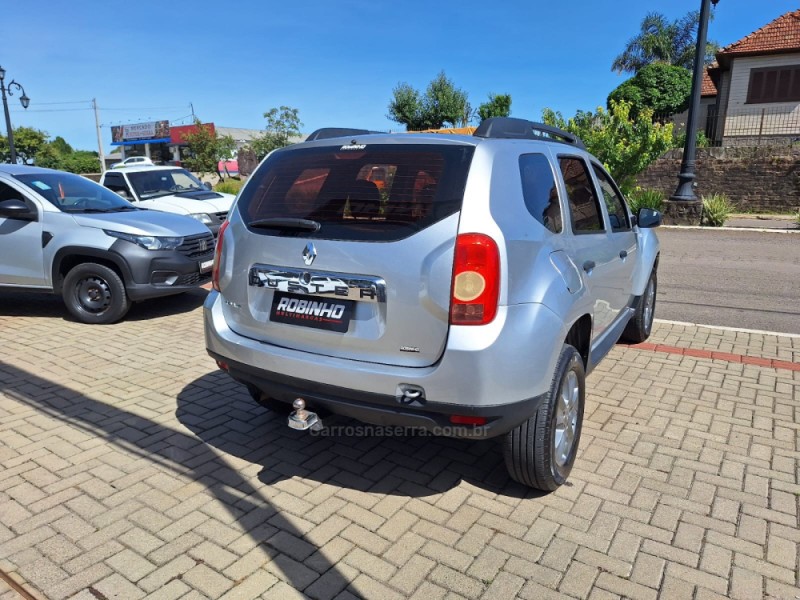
(130, 467)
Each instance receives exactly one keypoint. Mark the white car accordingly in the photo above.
(170, 189)
(133, 161)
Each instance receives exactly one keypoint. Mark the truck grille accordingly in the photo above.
(219, 217)
(196, 246)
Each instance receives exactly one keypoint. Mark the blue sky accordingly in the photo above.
(337, 62)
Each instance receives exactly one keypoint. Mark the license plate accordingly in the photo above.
(206, 265)
(320, 313)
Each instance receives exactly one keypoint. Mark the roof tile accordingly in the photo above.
(781, 35)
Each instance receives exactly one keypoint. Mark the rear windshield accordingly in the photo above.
(372, 192)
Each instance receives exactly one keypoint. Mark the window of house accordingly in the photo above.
(774, 84)
(584, 207)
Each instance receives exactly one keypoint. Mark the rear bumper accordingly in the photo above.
(382, 410)
(501, 376)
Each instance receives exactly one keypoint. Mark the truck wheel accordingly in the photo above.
(276, 406)
(541, 451)
(95, 294)
(641, 324)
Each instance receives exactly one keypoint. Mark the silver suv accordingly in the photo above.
(468, 293)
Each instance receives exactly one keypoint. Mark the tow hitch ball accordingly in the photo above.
(303, 419)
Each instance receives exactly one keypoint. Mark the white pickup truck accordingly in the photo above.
(170, 189)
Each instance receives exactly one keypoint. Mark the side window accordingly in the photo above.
(9, 193)
(617, 214)
(583, 203)
(540, 191)
(116, 183)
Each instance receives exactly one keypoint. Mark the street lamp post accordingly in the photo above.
(24, 100)
(686, 205)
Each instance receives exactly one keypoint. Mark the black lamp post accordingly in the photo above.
(685, 189)
(24, 100)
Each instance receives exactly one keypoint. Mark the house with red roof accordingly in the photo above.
(752, 91)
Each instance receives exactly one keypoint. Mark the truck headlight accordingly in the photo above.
(204, 218)
(150, 242)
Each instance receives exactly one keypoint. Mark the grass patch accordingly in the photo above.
(646, 198)
(716, 210)
(229, 186)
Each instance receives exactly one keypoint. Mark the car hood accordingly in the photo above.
(143, 222)
(191, 202)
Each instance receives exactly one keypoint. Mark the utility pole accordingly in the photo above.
(192, 107)
(99, 137)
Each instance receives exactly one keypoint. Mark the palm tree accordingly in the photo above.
(660, 40)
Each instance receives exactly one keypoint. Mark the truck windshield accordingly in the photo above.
(73, 193)
(163, 182)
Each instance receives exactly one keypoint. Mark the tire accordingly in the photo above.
(641, 324)
(276, 406)
(540, 452)
(95, 294)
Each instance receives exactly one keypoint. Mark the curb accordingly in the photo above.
(753, 229)
(725, 328)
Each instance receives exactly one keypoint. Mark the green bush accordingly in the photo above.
(716, 210)
(229, 186)
(644, 198)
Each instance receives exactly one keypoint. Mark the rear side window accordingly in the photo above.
(584, 207)
(373, 193)
(540, 191)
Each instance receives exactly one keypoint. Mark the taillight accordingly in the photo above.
(476, 280)
(217, 253)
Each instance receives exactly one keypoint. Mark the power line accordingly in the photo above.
(43, 110)
(181, 107)
(65, 102)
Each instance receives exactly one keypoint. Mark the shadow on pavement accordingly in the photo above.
(25, 304)
(409, 465)
(177, 453)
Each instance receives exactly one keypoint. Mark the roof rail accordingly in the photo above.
(326, 133)
(522, 129)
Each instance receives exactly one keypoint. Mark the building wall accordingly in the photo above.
(754, 120)
(679, 120)
(757, 178)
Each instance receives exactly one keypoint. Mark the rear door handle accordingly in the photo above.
(588, 265)
(623, 254)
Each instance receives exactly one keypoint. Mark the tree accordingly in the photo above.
(283, 124)
(663, 88)
(27, 142)
(660, 40)
(441, 104)
(499, 105)
(626, 146)
(207, 148)
(60, 145)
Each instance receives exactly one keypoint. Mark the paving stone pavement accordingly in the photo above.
(131, 467)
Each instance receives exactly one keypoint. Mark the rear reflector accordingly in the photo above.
(223, 365)
(476, 280)
(467, 420)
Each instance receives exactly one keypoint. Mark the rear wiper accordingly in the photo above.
(286, 223)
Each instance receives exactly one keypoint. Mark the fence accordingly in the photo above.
(744, 126)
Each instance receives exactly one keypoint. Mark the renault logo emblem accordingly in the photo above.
(309, 254)
(202, 245)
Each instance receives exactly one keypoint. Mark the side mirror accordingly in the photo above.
(647, 218)
(16, 209)
(123, 194)
(208, 186)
